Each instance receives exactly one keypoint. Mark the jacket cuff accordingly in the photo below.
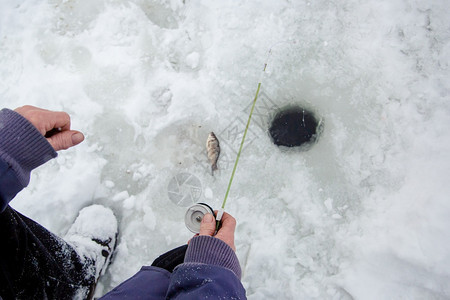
(22, 146)
(211, 250)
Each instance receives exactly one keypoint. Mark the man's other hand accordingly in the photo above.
(54, 126)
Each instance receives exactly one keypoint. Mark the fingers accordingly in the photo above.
(65, 139)
(208, 225)
(226, 231)
(57, 119)
(228, 225)
(55, 126)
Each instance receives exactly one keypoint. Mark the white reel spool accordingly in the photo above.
(194, 216)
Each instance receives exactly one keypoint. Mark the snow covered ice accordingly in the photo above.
(363, 214)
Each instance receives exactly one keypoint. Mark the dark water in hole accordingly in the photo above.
(292, 127)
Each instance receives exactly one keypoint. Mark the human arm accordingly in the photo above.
(211, 268)
(24, 147)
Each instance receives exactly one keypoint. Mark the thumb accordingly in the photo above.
(208, 226)
(65, 139)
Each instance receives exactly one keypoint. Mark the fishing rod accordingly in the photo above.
(195, 213)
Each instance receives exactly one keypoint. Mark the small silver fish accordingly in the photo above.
(213, 150)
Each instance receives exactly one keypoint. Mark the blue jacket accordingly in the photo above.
(190, 280)
(210, 270)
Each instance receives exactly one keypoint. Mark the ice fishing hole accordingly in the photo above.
(294, 126)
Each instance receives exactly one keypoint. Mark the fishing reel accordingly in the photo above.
(194, 216)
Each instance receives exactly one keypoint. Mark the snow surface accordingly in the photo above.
(363, 214)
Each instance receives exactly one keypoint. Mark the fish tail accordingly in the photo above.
(213, 168)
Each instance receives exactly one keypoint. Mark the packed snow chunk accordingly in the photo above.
(193, 59)
(121, 196)
(208, 193)
(149, 218)
(109, 184)
(328, 204)
(129, 202)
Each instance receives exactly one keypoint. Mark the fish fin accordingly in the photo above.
(213, 168)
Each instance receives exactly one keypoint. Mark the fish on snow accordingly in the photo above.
(213, 151)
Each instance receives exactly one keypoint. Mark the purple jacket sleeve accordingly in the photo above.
(22, 149)
(210, 270)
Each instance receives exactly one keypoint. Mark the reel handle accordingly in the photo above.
(219, 218)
